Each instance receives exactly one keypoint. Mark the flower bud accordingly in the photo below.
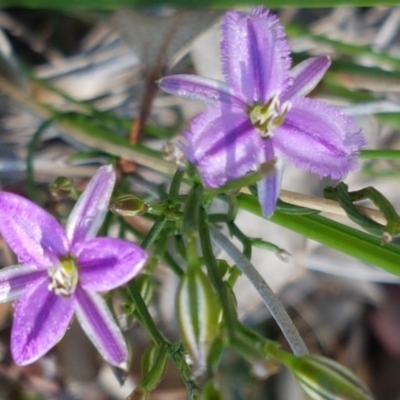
(128, 205)
(63, 187)
(325, 379)
(153, 366)
(199, 311)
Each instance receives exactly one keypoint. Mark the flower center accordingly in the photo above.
(266, 117)
(64, 277)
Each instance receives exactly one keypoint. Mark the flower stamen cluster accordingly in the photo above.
(265, 118)
(64, 277)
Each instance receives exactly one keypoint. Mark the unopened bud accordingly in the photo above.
(154, 362)
(62, 187)
(198, 315)
(128, 205)
(325, 379)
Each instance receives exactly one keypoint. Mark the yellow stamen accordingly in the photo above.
(266, 117)
(64, 277)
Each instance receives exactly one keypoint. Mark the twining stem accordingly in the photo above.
(271, 301)
(326, 205)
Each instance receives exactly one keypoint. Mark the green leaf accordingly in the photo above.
(348, 240)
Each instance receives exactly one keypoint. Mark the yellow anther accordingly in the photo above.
(266, 117)
(64, 277)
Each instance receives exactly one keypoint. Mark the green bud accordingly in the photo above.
(128, 205)
(153, 366)
(325, 379)
(198, 316)
(63, 187)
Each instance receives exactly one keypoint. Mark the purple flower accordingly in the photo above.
(62, 271)
(261, 113)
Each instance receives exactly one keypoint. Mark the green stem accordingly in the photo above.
(144, 315)
(154, 232)
(380, 154)
(174, 351)
(236, 184)
(213, 272)
(176, 184)
(271, 301)
(192, 207)
(246, 242)
(335, 235)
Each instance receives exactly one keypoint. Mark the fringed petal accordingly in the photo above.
(223, 145)
(319, 138)
(255, 54)
(194, 87)
(306, 76)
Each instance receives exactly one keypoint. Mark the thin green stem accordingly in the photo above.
(176, 184)
(271, 301)
(144, 315)
(380, 154)
(174, 351)
(155, 230)
(192, 207)
(215, 276)
(173, 265)
(236, 184)
(348, 240)
(246, 242)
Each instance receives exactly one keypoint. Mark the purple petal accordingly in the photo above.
(319, 138)
(268, 188)
(32, 233)
(306, 76)
(98, 323)
(107, 263)
(255, 54)
(14, 280)
(223, 145)
(40, 320)
(198, 88)
(91, 208)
